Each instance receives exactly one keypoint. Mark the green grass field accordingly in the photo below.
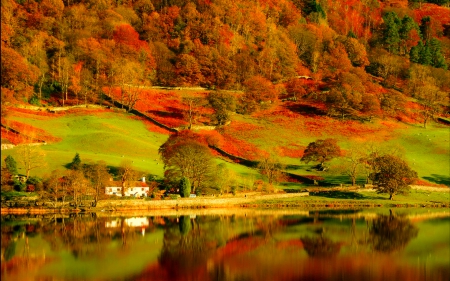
(415, 197)
(111, 137)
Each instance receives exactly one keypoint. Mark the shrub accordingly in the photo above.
(34, 100)
(185, 187)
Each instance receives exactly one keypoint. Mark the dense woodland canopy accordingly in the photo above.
(353, 50)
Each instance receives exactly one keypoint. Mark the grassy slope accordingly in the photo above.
(103, 136)
(425, 150)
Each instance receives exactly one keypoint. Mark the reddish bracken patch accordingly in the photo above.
(241, 148)
(167, 107)
(87, 111)
(293, 180)
(314, 177)
(17, 111)
(293, 151)
(244, 130)
(29, 133)
(151, 126)
(427, 183)
(212, 138)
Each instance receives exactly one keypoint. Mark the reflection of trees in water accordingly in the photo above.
(320, 246)
(83, 235)
(188, 245)
(391, 233)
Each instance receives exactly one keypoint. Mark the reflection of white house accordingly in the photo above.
(131, 222)
(136, 189)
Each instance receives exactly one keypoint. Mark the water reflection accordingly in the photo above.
(323, 246)
(392, 233)
(320, 247)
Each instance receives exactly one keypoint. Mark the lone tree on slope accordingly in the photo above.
(392, 175)
(321, 151)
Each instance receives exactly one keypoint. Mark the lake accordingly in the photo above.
(243, 244)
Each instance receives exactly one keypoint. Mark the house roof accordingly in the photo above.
(131, 184)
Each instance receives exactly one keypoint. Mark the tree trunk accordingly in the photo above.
(353, 181)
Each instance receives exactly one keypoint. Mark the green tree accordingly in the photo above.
(391, 35)
(392, 175)
(437, 59)
(409, 33)
(76, 162)
(185, 187)
(321, 151)
(11, 165)
(425, 57)
(414, 53)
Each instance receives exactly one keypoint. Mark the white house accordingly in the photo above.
(136, 189)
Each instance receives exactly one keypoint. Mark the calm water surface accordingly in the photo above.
(248, 245)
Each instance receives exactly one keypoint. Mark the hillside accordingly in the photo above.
(113, 136)
(254, 79)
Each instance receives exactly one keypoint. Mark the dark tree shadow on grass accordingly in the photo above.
(297, 167)
(305, 109)
(338, 195)
(439, 179)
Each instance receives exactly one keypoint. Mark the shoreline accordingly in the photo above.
(249, 201)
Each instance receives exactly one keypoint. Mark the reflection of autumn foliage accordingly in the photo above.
(391, 233)
(186, 248)
(239, 246)
(320, 247)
